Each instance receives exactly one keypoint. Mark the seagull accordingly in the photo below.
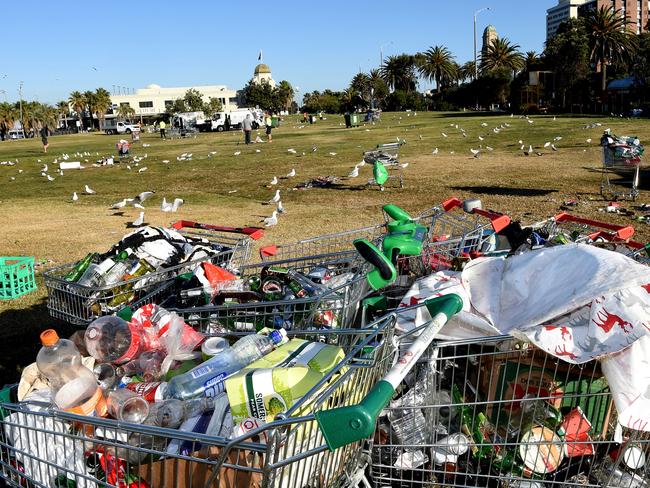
(43, 174)
(520, 141)
(89, 190)
(272, 220)
(484, 124)
(237, 153)
(291, 173)
(139, 221)
(274, 181)
(354, 173)
(276, 197)
(44, 168)
(553, 147)
(332, 154)
(291, 150)
(557, 138)
(280, 207)
(589, 141)
(480, 138)
(475, 152)
(50, 178)
(529, 121)
(404, 165)
(547, 144)
(443, 134)
(142, 170)
(489, 148)
(120, 204)
(177, 204)
(165, 161)
(435, 151)
(165, 206)
(75, 197)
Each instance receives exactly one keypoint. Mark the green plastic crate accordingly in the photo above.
(16, 276)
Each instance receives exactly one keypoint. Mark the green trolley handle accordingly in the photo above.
(344, 425)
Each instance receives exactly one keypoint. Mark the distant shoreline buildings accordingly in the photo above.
(635, 10)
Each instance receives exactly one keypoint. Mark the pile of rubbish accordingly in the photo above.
(318, 182)
(623, 148)
(531, 380)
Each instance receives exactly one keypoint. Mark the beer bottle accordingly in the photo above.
(75, 273)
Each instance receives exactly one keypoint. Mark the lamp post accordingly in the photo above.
(20, 102)
(381, 52)
(475, 60)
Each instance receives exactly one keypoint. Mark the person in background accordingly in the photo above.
(162, 126)
(45, 133)
(268, 123)
(3, 131)
(247, 127)
(227, 122)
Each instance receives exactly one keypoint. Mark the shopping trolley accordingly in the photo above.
(332, 304)
(80, 305)
(299, 448)
(620, 156)
(388, 155)
(566, 227)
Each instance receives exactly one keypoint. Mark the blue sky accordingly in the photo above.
(314, 45)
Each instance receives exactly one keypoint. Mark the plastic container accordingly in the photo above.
(16, 276)
(73, 386)
(113, 340)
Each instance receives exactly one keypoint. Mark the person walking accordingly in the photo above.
(247, 127)
(268, 122)
(45, 133)
(162, 126)
(227, 122)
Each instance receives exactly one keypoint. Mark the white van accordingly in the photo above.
(237, 116)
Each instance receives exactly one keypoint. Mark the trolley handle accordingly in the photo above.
(622, 232)
(253, 232)
(498, 220)
(344, 425)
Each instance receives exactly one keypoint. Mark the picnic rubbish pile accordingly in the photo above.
(451, 348)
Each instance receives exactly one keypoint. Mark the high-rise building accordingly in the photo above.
(489, 36)
(636, 11)
(564, 10)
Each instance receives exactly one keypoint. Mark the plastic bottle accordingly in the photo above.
(208, 378)
(171, 413)
(73, 386)
(94, 274)
(148, 365)
(111, 339)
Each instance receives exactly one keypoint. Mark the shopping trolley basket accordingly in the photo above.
(294, 450)
(79, 305)
(330, 304)
(621, 156)
(388, 155)
(566, 227)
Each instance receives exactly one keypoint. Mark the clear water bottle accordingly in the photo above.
(110, 339)
(208, 378)
(73, 386)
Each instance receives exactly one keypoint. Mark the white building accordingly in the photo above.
(565, 9)
(154, 99)
(263, 73)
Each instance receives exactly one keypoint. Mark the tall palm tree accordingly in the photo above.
(399, 72)
(78, 103)
(8, 114)
(467, 71)
(286, 92)
(531, 60)
(125, 111)
(609, 39)
(63, 109)
(361, 84)
(502, 54)
(89, 95)
(437, 64)
(101, 101)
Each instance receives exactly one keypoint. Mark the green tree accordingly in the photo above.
(78, 102)
(100, 103)
(502, 54)
(567, 54)
(125, 111)
(610, 41)
(531, 61)
(284, 94)
(467, 71)
(212, 106)
(8, 114)
(437, 64)
(193, 100)
(177, 106)
(399, 72)
(640, 68)
(90, 98)
(63, 108)
(261, 95)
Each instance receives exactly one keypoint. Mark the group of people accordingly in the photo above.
(247, 127)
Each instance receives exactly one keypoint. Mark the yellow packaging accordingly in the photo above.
(277, 381)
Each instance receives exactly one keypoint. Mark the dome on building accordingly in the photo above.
(490, 28)
(262, 68)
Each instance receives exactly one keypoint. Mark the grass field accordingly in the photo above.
(39, 218)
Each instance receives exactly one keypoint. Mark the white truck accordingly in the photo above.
(237, 116)
(114, 126)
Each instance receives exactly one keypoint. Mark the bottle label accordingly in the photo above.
(215, 385)
(151, 392)
(95, 405)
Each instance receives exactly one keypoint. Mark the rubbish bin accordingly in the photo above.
(135, 134)
(354, 120)
(275, 121)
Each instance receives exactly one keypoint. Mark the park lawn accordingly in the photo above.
(39, 218)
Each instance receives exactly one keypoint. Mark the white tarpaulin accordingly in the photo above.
(576, 302)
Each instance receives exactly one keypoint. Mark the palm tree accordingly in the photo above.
(8, 115)
(101, 102)
(609, 40)
(361, 84)
(399, 72)
(63, 108)
(125, 111)
(286, 94)
(502, 54)
(467, 71)
(89, 95)
(78, 103)
(437, 64)
(531, 60)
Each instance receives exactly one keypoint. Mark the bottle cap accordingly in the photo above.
(49, 337)
(278, 336)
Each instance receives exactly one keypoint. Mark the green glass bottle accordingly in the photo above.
(81, 267)
(124, 294)
(476, 427)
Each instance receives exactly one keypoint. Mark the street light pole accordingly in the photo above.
(381, 53)
(20, 102)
